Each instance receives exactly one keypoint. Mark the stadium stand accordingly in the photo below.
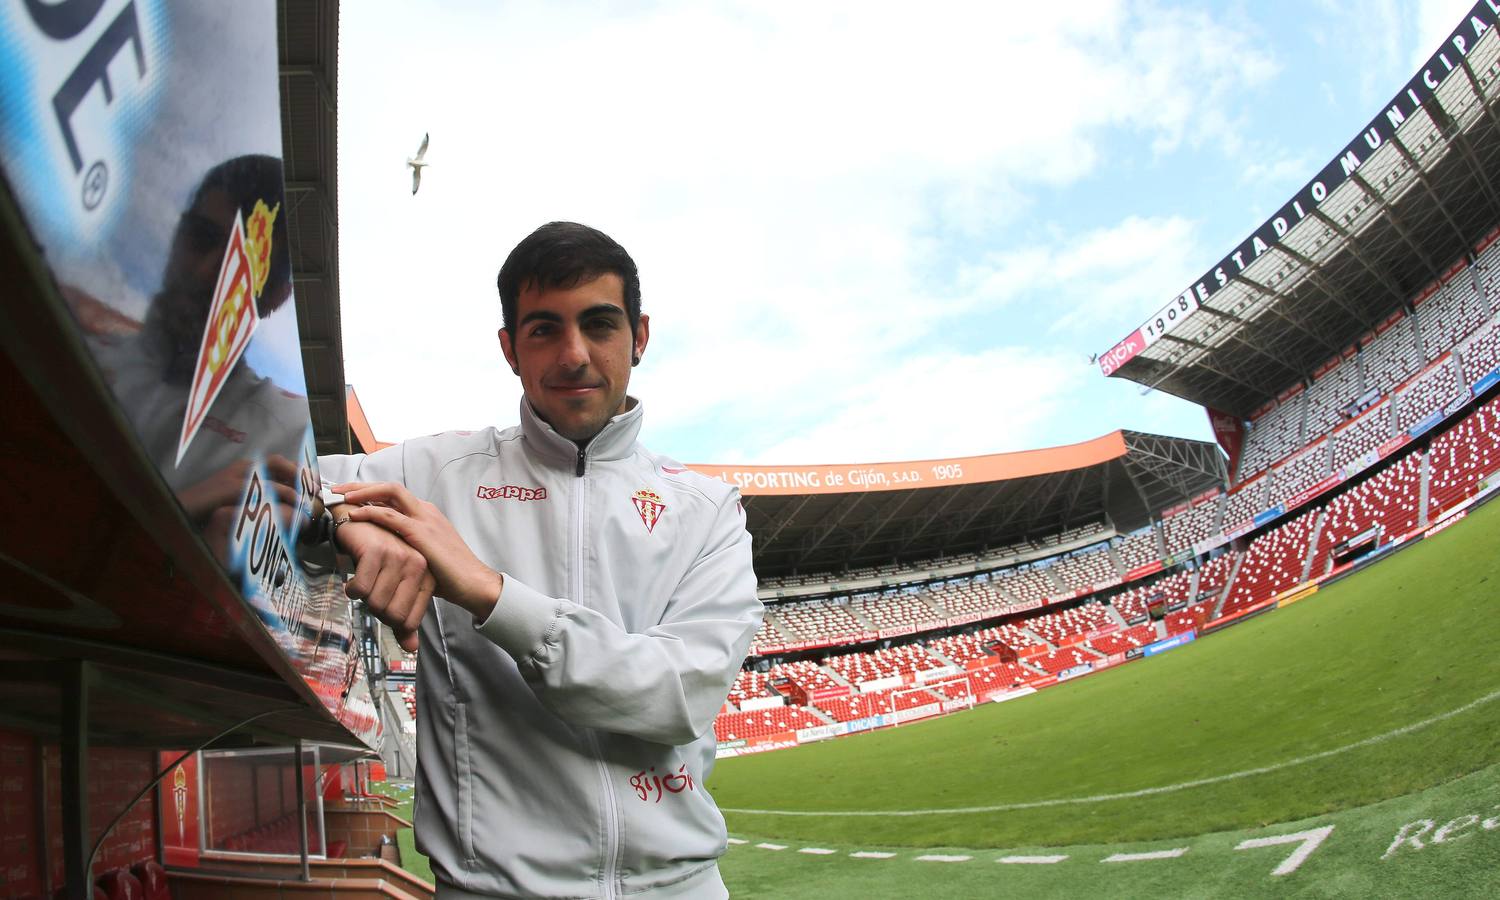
(1389, 501)
(1331, 394)
(1123, 641)
(748, 684)
(1182, 530)
(807, 676)
(764, 722)
(961, 648)
(1299, 473)
(1448, 315)
(1055, 661)
(1136, 602)
(1139, 548)
(1273, 563)
(910, 612)
(1481, 352)
(1087, 569)
(1032, 583)
(1429, 392)
(819, 622)
(1391, 356)
(1463, 456)
(1273, 436)
(1246, 500)
(1214, 575)
(1059, 627)
(1190, 619)
(1359, 436)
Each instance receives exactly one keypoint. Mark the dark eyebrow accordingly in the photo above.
(603, 309)
(609, 310)
(539, 315)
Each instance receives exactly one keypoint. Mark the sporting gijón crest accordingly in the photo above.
(649, 505)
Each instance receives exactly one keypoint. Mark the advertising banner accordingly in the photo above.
(141, 141)
(1171, 643)
(937, 673)
(1485, 383)
(918, 712)
(1075, 671)
(1267, 516)
(1210, 543)
(750, 704)
(1327, 484)
(844, 479)
(1229, 431)
(1142, 571)
(1419, 91)
(1425, 424)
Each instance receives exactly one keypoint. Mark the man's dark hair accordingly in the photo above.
(563, 255)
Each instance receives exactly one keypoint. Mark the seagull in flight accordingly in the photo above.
(417, 164)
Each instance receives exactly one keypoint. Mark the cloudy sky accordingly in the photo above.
(866, 231)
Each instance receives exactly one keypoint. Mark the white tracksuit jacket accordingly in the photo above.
(564, 741)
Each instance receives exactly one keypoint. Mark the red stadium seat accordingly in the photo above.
(121, 885)
(153, 879)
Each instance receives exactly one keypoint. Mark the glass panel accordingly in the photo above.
(250, 801)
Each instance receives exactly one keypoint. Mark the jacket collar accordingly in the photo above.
(614, 441)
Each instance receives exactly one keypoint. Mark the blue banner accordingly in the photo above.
(1171, 643)
(1426, 423)
(1270, 515)
(1485, 383)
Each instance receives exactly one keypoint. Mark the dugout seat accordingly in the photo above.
(153, 879)
(121, 885)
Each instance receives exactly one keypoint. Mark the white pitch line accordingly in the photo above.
(938, 857)
(1129, 795)
(871, 854)
(771, 846)
(817, 851)
(1153, 854)
(1031, 860)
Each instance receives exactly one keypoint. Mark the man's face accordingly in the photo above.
(573, 349)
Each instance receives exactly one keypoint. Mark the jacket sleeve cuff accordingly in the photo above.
(522, 619)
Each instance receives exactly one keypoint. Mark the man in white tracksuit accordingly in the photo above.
(594, 602)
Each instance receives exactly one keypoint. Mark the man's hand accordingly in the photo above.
(461, 578)
(389, 575)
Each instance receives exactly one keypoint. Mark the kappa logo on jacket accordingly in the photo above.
(650, 507)
(511, 492)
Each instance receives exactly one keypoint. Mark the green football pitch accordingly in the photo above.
(1346, 745)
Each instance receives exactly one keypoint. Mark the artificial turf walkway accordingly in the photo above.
(1304, 713)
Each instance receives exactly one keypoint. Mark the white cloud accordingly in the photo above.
(933, 406)
(1111, 276)
(799, 183)
(1431, 23)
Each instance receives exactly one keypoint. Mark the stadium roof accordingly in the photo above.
(308, 37)
(827, 518)
(1407, 199)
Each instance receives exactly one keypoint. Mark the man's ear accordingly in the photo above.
(642, 337)
(509, 349)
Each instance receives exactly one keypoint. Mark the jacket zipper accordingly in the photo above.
(611, 811)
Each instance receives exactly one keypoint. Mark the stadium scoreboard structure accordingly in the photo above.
(1406, 200)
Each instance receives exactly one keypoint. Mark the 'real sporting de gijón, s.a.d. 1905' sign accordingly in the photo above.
(141, 141)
